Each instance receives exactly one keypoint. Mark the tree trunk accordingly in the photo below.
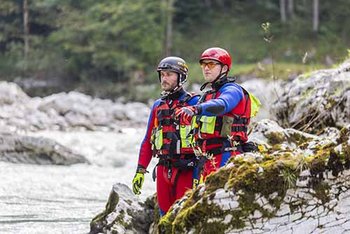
(207, 3)
(283, 11)
(26, 28)
(315, 21)
(169, 26)
(291, 9)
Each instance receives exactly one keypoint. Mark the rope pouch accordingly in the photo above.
(249, 146)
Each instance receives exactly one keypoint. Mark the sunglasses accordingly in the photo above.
(210, 64)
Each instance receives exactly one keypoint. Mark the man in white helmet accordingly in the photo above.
(167, 138)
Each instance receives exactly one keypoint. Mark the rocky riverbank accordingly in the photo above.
(73, 111)
(64, 111)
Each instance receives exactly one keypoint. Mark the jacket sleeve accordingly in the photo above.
(194, 100)
(229, 97)
(145, 154)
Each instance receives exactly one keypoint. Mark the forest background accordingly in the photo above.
(110, 49)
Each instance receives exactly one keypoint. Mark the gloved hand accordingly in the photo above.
(186, 113)
(138, 180)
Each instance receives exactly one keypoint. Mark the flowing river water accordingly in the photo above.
(64, 199)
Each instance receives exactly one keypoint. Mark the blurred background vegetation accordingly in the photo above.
(110, 49)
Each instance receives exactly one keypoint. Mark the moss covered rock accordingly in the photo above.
(310, 103)
(301, 187)
(123, 213)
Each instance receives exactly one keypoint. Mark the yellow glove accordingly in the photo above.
(137, 183)
(138, 180)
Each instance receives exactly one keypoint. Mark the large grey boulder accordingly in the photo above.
(313, 101)
(124, 213)
(11, 93)
(36, 150)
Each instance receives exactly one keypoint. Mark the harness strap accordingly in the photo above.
(239, 128)
(221, 149)
(166, 112)
(170, 135)
(216, 151)
(240, 120)
(163, 122)
(186, 162)
(236, 120)
(212, 141)
(219, 124)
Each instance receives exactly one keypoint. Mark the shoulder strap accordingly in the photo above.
(188, 97)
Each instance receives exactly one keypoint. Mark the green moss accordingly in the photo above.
(318, 166)
(275, 137)
(298, 138)
(217, 180)
(166, 223)
(193, 216)
(344, 135)
(119, 220)
(345, 152)
(305, 76)
(307, 93)
(98, 221)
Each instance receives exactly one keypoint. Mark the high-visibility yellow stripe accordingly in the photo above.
(184, 135)
(208, 124)
(158, 141)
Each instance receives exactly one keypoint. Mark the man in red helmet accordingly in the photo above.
(221, 115)
(167, 138)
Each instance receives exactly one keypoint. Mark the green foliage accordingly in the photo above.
(108, 41)
(110, 38)
(96, 40)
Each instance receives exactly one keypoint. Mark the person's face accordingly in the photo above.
(211, 69)
(168, 80)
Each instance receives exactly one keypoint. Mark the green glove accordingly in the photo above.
(138, 180)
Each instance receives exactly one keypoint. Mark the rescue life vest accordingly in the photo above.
(210, 132)
(170, 136)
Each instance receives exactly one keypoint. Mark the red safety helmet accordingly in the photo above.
(217, 54)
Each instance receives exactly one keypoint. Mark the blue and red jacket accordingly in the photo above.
(176, 100)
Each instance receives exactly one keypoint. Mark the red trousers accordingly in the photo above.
(172, 185)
